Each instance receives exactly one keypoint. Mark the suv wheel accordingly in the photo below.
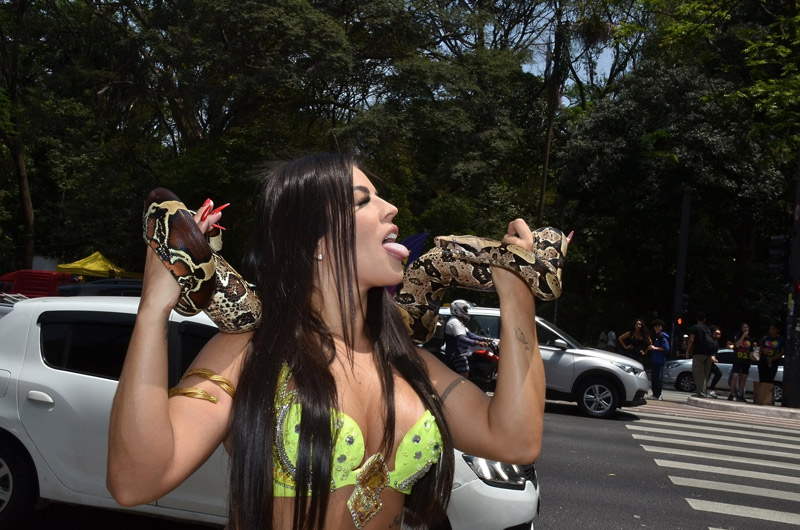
(597, 398)
(685, 382)
(18, 491)
(777, 393)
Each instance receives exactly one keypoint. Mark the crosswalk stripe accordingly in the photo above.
(718, 456)
(690, 434)
(727, 471)
(745, 511)
(714, 446)
(725, 423)
(735, 488)
(771, 436)
(723, 430)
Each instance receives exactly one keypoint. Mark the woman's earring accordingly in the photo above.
(319, 257)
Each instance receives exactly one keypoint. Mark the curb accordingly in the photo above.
(747, 408)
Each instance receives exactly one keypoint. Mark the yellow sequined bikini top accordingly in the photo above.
(419, 449)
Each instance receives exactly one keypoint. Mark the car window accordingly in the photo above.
(92, 343)
(546, 336)
(95, 342)
(486, 325)
(191, 338)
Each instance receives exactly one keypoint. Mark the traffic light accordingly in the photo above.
(684, 309)
(780, 249)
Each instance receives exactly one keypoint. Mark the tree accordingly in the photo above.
(18, 34)
(624, 169)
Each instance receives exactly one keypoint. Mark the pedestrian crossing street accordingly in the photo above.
(746, 471)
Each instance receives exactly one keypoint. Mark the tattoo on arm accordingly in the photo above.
(397, 522)
(522, 339)
(451, 387)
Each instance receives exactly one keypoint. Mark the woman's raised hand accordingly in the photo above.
(160, 290)
(505, 281)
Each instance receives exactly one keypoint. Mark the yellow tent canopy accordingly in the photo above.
(96, 265)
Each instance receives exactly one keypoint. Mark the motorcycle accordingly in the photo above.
(483, 365)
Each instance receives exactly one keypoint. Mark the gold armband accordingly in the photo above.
(208, 375)
(192, 392)
(199, 393)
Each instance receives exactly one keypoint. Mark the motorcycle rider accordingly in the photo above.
(458, 340)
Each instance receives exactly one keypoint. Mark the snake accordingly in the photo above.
(210, 284)
(466, 261)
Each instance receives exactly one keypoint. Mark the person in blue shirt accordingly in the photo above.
(658, 357)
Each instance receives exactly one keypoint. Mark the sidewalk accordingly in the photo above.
(721, 403)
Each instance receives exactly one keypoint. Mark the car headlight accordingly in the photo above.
(672, 364)
(630, 369)
(497, 474)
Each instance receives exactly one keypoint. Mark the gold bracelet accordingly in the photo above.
(192, 392)
(209, 375)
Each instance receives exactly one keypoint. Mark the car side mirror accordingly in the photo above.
(561, 343)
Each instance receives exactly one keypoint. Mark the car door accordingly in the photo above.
(206, 490)
(559, 364)
(66, 386)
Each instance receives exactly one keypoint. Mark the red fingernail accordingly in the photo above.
(221, 208)
(219, 226)
(205, 213)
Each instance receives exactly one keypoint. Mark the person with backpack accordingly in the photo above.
(701, 348)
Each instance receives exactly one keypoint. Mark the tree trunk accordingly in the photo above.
(25, 203)
(554, 83)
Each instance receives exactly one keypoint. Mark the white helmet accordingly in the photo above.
(460, 309)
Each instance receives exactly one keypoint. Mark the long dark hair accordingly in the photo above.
(301, 202)
(645, 331)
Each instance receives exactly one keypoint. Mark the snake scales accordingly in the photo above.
(208, 283)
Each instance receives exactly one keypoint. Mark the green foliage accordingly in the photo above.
(755, 45)
(625, 168)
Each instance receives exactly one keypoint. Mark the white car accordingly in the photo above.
(597, 380)
(60, 359)
(678, 373)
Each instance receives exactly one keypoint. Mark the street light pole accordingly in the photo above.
(791, 369)
(683, 244)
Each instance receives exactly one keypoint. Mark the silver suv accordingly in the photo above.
(598, 381)
(60, 359)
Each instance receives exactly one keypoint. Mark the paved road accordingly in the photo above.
(669, 466)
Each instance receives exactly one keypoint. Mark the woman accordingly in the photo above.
(772, 349)
(742, 346)
(636, 341)
(333, 346)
